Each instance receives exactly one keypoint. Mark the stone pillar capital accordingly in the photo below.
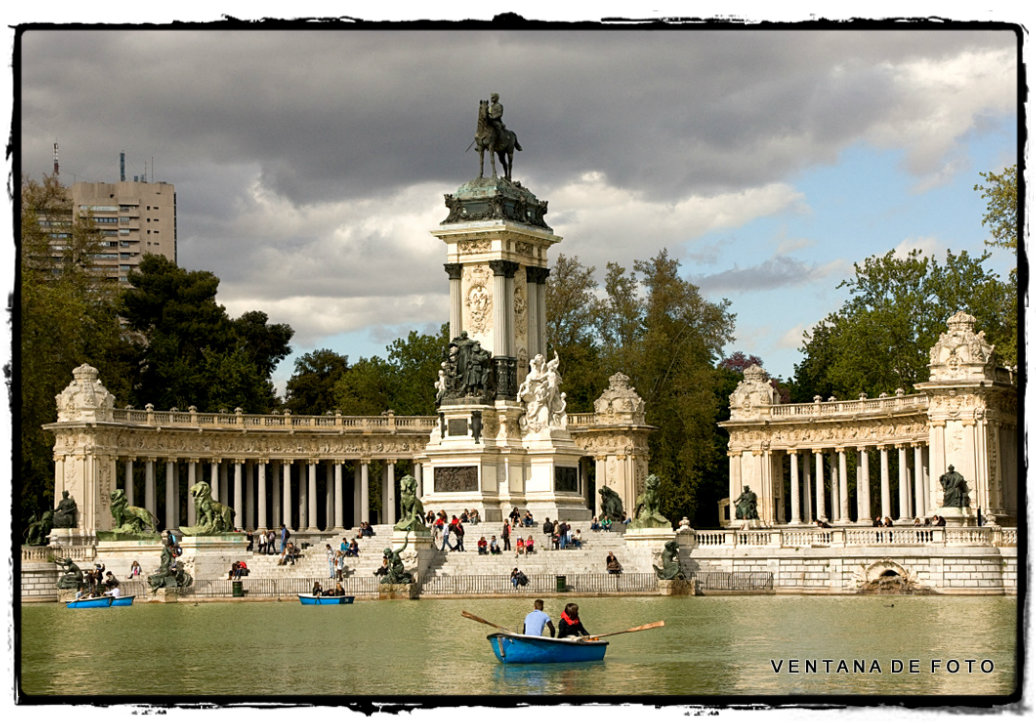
(453, 270)
(503, 268)
(536, 274)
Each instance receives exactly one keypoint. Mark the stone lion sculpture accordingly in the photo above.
(646, 514)
(670, 569)
(129, 518)
(611, 503)
(211, 515)
(411, 511)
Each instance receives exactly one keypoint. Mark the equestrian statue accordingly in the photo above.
(493, 136)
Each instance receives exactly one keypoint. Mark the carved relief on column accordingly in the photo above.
(478, 300)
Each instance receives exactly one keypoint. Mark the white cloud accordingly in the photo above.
(927, 245)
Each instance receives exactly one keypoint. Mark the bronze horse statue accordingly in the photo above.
(486, 138)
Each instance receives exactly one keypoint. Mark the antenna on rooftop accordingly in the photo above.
(56, 158)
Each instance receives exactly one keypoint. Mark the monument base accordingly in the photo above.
(393, 591)
(958, 517)
(111, 536)
(163, 595)
(677, 588)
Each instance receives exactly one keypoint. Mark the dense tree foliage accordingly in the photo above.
(1001, 218)
(189, 351)
(403, 383)
(879, 340)
(311, 390)
(66, 318)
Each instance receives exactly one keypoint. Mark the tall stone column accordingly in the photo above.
(192, 479)
(904, 486)
(419, 477)
(501, 304)
(389, 498)
(863, 487)
(365, 496)
(833, 472)
(807, 490)
(224, 494)
(311, 496)
(339, 499)
(214, 476)
(275, 495)
(818, 458)
(149, 486)
(250, 495)
(886, 488)
(286, 495)
(263, 521)
(357, 504)
(171, 483)
(796, 517)
(534, 314)
(127, 481)
(239, 498)
(843, 488)
(329, 495)
(919, 506)
(541, 322)
(927, 483)
(456, 299)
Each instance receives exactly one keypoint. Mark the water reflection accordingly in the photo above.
(710, 646)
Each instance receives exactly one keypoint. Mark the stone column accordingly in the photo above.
(863, 487)
(329, 495)
(886, 488)
(818, 457)
(357, 505)
(214, 476)
(534, 314)
(500, 306)
(286, 495)
(419, 477)
(264, 521)
(919, 506)
(927, 481)
(456, 301)
(311, 497)
(171, 483)
(601, 477)
(807, 490)
(833, 472)
(275, 495)
(541, 303)
(239, 498)
(365, 497)
(224, 495)
(127, 484)
(192, 479)
(389, 498)
(339, 500)
(793, 458)
(149, 486)
(904, 486)
(843, 488)
(250, 495)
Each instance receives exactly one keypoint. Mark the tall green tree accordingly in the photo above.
(310, 391)
(880, 338)
(1000, 191)
(403, 383)
(572, 315)
(66, 318)
(657, 327)
(189, 351)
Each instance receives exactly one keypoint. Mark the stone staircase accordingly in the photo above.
(313, 563)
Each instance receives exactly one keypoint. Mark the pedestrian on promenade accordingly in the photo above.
(285, 535)
(329, 552)
(507, 534)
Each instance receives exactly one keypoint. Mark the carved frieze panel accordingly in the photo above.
(456, 479)
(478, 302)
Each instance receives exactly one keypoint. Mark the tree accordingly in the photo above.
(310, 391)
(880, 339)
(656, 327)
(572, 312)
(404, 383)
(1001, 194)
(66, 318)
(739, 362)
(189, 351)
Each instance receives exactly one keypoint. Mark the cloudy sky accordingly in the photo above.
(310, 165)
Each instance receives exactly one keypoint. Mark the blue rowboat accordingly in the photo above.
(101, 602)
(521, 649)
(307, 600)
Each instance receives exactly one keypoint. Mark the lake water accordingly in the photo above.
(724, 646)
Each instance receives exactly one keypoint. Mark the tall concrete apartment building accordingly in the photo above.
(134, 217)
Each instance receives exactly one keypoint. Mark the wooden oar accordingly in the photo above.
(473, 617)
(645, 627)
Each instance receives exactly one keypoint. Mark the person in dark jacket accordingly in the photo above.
(569, 623)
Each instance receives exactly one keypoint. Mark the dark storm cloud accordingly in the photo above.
(331, 115)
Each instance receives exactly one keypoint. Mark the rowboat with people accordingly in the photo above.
(101, 602)
(515, 648)
(309, 600)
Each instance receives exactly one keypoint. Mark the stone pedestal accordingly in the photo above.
(208, 557)
(391, 591)
(417, 554)
(677, 588)
(163, 595)
(552, 487)
(70, 538)
(958, 517)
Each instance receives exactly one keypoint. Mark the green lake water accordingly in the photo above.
(725, 646)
